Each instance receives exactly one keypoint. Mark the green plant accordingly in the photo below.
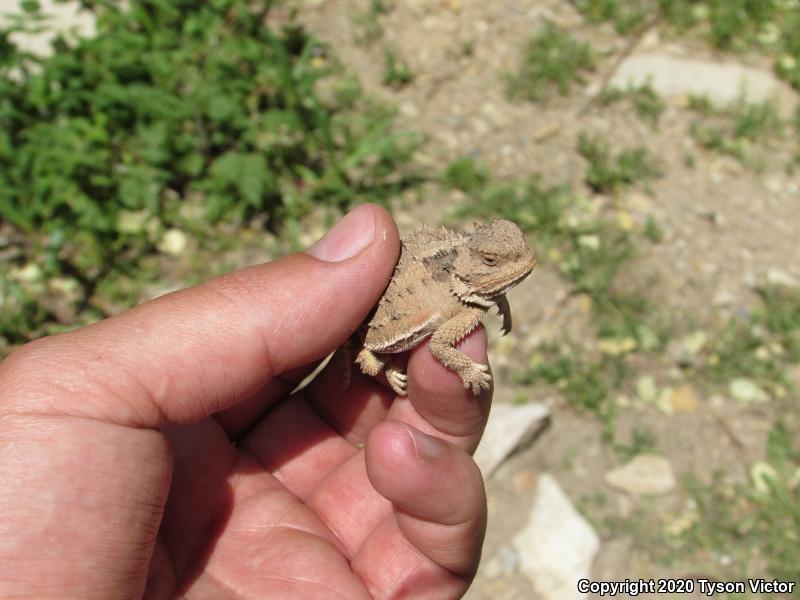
(587, 383)
(626, 15)
(396, 70)
(103, 143)
(533, 206)
(642, 440)
(648, 104)
(551, 60)
(467, 175)
(367, 27)
(762, 515)
(608, 173)
(652, 231)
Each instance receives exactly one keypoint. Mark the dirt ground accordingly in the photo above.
(725, 227)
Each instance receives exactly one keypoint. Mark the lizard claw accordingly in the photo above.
(477, 379)
(397, 380)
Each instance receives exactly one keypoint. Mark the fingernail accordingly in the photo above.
(425, 446)
(348, 237)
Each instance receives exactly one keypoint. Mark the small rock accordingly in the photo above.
(646, 389)
(781, 278)
(504, 562)
(510, 427)
(683, 399)
(682, 523)
(67, 287)
(625, 220)
(774, 184)
(409, 109)
(173, 242)
(646, 474)
(29, 273)
(723, 297)
(590, 241)
(745, 390)
(524, 481)
(132, 221)
(616, 346)
(639, 201)
(557, 546)
(760, 474)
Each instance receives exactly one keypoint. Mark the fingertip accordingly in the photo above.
(437, 490)
(439, 395)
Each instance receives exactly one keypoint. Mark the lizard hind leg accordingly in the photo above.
(370, 363)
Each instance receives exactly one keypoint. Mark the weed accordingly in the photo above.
(652, 231)
(467, 175)
(648, 104)
(396, 70)
(760, 347)
(531, 205)
(552, 60)
(734, 129)
(102, 143)
(761, 516)
(642, 440)
(367, 27)
(586, 383)
(607, 173)
(625, 15)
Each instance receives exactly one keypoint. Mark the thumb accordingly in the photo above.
(192, 353)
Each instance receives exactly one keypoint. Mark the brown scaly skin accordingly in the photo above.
(442, 286)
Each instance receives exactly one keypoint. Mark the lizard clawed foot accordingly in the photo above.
(397, 379)
(476, 378)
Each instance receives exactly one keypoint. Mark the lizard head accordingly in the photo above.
(493, 259)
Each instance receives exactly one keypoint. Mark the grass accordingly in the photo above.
(529, 203)
(609, 173)
(104, 144)
(760, 347)
(761, 515)
(586, 382)
(396, 70)
(552, 61)
(366, 25)
(736, 129)
(647, 103)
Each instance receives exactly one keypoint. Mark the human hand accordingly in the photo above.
(160, 453)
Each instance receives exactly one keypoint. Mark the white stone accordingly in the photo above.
(510, 427)
(781, 278)
(646, 474)
(557, 546)
(746, 390)
(721, 82)
(174, 242)
(65, 18)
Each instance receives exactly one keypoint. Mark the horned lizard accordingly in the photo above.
(442, 286)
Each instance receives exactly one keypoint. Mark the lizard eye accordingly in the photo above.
(489, 261)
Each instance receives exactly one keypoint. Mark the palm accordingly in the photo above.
(290, 510)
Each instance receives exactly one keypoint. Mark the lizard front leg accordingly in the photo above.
(505, 310)
(474, 375)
